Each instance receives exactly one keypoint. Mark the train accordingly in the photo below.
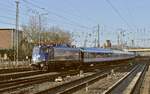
(62, 56)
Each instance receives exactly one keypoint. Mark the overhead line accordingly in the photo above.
(70, 24)
(7, 7)
(7, 23)
(119, 14)
(7, 17)
(12, 12)
(6, 4)
(88, 18)
(82, 26)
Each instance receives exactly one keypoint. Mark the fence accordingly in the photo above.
(6, 64)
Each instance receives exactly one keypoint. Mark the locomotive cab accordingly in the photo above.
(41, 55)
(38, 56)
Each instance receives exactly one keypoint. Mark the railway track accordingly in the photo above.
(21, 82)
(130, 83)
(75, 85)
(11, 70)
(69, 87)
(30, 80)
(14, 75)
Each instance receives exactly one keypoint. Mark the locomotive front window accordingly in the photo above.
(45, 50)
(36, 50)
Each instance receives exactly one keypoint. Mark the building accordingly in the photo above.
(107, 44)
(8, 41)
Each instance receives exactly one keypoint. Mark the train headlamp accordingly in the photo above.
(42, 65)
(36, 58)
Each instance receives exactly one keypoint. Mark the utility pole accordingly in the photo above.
(95, 42)
(132, 43)
(17, 27)
(118, 40)
(39, 29)
(122, 44)
(85, 41)
(98, 44)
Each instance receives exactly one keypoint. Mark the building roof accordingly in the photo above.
(7, 29)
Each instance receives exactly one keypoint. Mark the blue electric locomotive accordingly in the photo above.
(44, 57)
(57, 57)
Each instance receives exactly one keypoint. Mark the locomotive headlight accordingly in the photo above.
(41, 65)
(35, 59)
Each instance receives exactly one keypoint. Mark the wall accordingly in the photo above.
(6, 38)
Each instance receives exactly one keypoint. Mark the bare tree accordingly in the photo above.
(31, 31)
(53, 34)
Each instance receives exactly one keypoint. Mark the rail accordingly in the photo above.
(26, 81)
(128, 83)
